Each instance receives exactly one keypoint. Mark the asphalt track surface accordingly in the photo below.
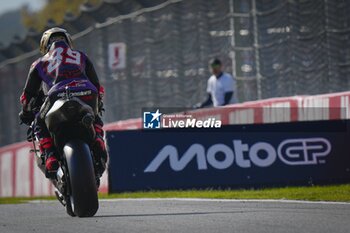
(174, 215)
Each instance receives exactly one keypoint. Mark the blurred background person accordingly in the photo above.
(220, 87)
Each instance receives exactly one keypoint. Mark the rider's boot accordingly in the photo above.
(51, 163)
(99, 150)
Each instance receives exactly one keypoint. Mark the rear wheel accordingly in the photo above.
(83, 200)
(69, 208)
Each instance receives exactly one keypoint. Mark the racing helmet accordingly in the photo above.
(45, 39)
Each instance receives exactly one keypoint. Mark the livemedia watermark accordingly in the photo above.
(157, 118)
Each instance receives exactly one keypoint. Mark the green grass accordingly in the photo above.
(313, 193)
(20, 200)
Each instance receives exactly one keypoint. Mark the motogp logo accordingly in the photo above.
(292, 152)
(304, 151)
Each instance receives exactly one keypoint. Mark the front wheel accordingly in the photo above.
(83, 200)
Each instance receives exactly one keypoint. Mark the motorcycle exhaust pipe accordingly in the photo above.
(60, 197)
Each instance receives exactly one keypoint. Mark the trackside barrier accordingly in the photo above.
(286, 109)
(233, 156)
(19, 175)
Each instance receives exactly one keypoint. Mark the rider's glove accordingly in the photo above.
(26, 117)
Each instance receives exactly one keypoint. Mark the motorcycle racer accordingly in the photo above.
(61, 66)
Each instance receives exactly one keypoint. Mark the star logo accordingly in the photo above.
(156, 115)
(151, 120)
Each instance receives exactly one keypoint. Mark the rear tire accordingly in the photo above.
(69, 208)
(83, 201)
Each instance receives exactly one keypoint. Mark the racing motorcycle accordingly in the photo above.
(70, 123)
